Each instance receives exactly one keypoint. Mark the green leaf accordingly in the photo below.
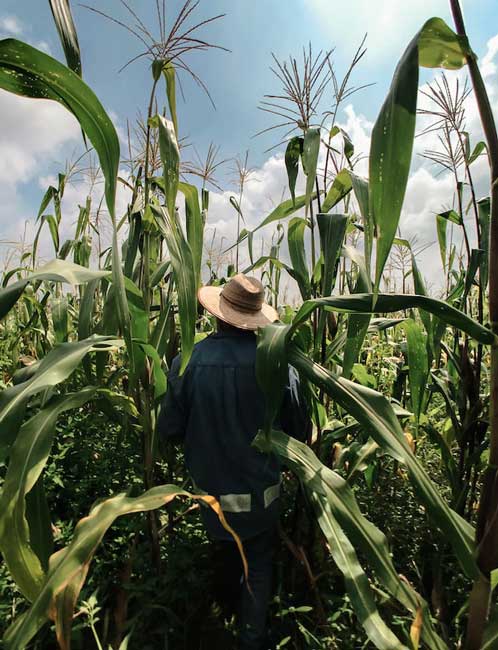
(311, 149)
(26, 71)
(272, 370)
(391, 302)
(297, 253)
(69, 566)
(59, 363)
(332, 228)
(60, 319)
(63, 18)
(169, 73)
(157, 371)
(418, 365)
(195, 225)
(442, 227)
(358, 324)
(340, 188)
(170, 157)
(478, 149)
(292, 153)
(356, 581)
(435, 45)
(55, 271)
(375, 414)
(282, 211)
(184, 275)
(28, 457)
(476, 260)
(451, 215)
(371, 541)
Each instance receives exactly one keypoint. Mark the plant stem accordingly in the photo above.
(487, 529)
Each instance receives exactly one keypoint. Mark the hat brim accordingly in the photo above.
(211, 299)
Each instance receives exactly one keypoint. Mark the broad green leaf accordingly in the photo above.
(332, 228)
(442, 227)
(297, 253)
(29, 72)
(340, 188)
(357, 584)
(60, 319)
(169, 73)
(341, 499)
(28, 457)
(184, 275)
(391, 302)
(53, 369)
(476, 260)
(418, 365)
(272, 370)
(375, 414)
(69, 566)
(26, 71)
(55, 271)
(478, 149)
(170, 157)
(435, 45)
(358, 324)
(41, 537)
(54, 233)
(195, 224)
(159, 273)
(86, 310)
(158, 372)
(311, 149)
(360, 189)
(453, 216)
(67, 33)
(292, 155)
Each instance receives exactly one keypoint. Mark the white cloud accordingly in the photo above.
(11, 26)
(390, 24)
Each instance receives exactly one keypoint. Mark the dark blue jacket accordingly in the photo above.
(216, 408)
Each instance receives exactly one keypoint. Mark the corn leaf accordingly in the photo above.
(365, 303)
(324, 482)
(418, 365)
(28, 457)
(59, 363)
(375, 414)
(311, 149)
(69, 566)
(297, 253)
(292, 154)
(184, 275)
(55, 271)
(340, 188)
(435, 46)
(195, 225)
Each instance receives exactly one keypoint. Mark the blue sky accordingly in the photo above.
(252, 30)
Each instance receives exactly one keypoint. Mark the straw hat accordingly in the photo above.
(240, 303)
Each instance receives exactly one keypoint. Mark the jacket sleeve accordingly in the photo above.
(172, 419)
(294, 415)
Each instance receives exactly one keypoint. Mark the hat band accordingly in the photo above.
(241, 304)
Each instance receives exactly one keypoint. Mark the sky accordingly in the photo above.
(37, 137)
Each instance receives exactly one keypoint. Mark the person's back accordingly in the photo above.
(216, 408)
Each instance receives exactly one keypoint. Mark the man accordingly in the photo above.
(216, 408)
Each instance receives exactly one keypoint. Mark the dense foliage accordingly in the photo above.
(389, 533)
